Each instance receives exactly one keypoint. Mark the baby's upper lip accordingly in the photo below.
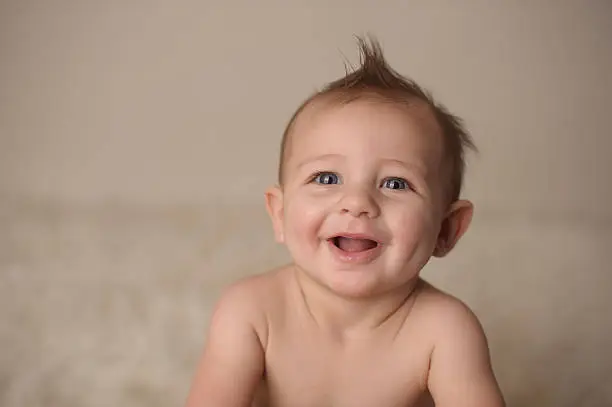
(364, 236)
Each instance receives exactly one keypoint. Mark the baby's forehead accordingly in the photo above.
(413, 119)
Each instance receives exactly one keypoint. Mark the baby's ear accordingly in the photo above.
(274, 205)
(455, 224)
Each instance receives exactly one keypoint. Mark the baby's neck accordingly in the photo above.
(345, 317)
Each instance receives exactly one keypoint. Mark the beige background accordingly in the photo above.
(136, 138)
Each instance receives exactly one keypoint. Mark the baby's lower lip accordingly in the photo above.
(360, 257)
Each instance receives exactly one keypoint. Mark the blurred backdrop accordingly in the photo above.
(137, 137)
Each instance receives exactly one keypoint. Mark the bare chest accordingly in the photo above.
(303, 370)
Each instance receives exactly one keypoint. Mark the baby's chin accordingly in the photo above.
(357, 284)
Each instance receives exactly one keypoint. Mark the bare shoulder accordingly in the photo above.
(250, 299)
(446, 314)
(252, 289)
(233, 360)
(460, 372)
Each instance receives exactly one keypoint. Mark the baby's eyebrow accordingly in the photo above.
(416, 167)
(318, 158)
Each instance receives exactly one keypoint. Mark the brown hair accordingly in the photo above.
(374, 77)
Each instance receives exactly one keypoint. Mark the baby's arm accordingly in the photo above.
(460, 372)
(232, 363)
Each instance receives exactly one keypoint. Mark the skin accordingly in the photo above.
(338, 329)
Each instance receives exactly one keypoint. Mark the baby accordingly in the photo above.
(369, 183)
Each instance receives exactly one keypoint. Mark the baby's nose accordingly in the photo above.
(359, 202)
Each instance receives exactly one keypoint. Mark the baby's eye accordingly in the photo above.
(395, 183)
(326, 178)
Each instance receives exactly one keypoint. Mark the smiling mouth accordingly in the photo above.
(353, 244)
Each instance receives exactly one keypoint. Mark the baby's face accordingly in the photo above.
(362, 201)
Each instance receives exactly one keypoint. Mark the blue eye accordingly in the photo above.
(395, 184)
(326, 178)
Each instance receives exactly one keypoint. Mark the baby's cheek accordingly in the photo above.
(302, 222)
(414, 231)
